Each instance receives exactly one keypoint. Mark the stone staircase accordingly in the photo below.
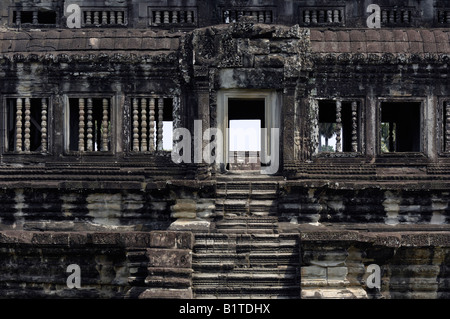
(246, 256)
(246, 198)
(229, 265)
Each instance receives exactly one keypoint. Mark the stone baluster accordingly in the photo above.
(135, 125)
(407, 16)
(88, 18)
(96, 18)
(189, 17)
(226, 16)
(321, 16)
(268, 16)
(384, 16)
(104, 17)
(18, 17)
(354, 126)
(391, 137)
(338, 125)
(152, 125)
(144, 124)
(307, 17)
(175, 16)
(105, 126)
(44, 125)
(182, 16)
(160, 124)
(329, 16)
(166, 17)
(391, 16)
(234, 16)
(81, 136)
(112, 17)
(447, 126)
(35, 17)
(157, 17)
(314, 17)
(27, 125)
(120, 17)
(336, 16)
(90, 144)
(261, 16)
(19, 124)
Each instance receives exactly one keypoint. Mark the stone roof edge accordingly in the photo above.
(379, 58)
(144, 57)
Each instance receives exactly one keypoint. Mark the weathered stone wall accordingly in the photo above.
(328, 202)
(332, 263)
(34, 264)
(413, 265)
(154, 207)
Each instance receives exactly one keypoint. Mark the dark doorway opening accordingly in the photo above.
(400, 127)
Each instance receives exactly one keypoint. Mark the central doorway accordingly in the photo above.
(246, 117)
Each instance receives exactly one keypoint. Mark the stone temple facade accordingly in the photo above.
(116, 156)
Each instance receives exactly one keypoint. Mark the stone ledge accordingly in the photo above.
(380, 235)
(157, 239)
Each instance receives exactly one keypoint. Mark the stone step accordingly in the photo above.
(274, 247)
(259, 292)
(246, 259)
(255, 224)
(242, 280)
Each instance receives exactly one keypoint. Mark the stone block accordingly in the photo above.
(105, 238)
(258, 46)
(316, 35)
(314, 272)
(184, 205)
(168, 282)
(163, 239)
(136, 239)
(334, 293)
(173, 258)
(188, 215)
(165, 293)
(273, 60)
(190, 225)
(337, 273)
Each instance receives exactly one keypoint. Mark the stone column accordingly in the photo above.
(287, 127)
